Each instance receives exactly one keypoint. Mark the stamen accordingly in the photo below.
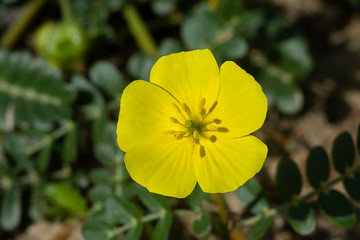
(196, 135)
(178, 110)
(202, 151)
(186, 109)
(213, 107)
(217, 121)
(169, 132)
(202, 103)
(202, 110)
(174, 120)
(210, 127)
(222, 129)
(179, 135)
(213, 138)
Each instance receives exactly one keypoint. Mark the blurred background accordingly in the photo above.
(64, 65)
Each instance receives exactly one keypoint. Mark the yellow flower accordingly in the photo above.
(192, 123)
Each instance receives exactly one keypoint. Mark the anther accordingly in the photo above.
(186, 109)
(179, 136)
(169, 132)
(196, 135)
(174, 120)
(210, 127)
(202, 151)
(222, 129)
(217, 121)
(213, 138)
(201, 104)
(177, 108)
(211, 108)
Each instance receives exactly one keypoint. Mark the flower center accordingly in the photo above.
(195, 125)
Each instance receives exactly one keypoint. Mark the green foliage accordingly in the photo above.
(252, 196)
(302, 218)
(65, 200)
(338, 209)
(10, 208)
(333, 204)
(317, 167)
(343, 152)
(288, 180)
(31, 93)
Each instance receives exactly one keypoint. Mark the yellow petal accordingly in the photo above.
(242, 105)
(228, 163)
(189, 77)
(145, 113)
(163, 166)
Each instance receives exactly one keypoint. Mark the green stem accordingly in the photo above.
(139, 30)
(222, 209)
(65, 128)
(273, 211)
(144, 219)
(65, 10)
(13, 33)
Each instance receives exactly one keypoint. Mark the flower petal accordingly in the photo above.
(189, 77)
(242, 105)
(145, 113)
(229, 163)
(163, 166)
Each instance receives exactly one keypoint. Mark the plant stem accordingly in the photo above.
(139, 30)
(271, 212)
(222, 208)
(65, 128)
(13, 33)
(144, 219)
(65, 10)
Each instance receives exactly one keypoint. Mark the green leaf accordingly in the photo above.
(296, 58)
(163, 7)
(196, 197)
(302, 218)
(99, 126)
(100, 193)
(134, 233)
(37, 207)
(317, 167)
(235, 48)
(96, 229)
(261, 227)
(70, 145)
(163, 225)
(139, 66)
(343, 152)
(42, 160)
(106, 154)
(168, 46)
(66, 197)
(39, 102)
(201, 28)
(102, 176)
(252, 197)
(202, 224)
(288, 179)
(16, 145)
(290, 99)
(108, 77)
(230, 9)
(338, 209)
(119, 210)
(11, 208)
(352, 186)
